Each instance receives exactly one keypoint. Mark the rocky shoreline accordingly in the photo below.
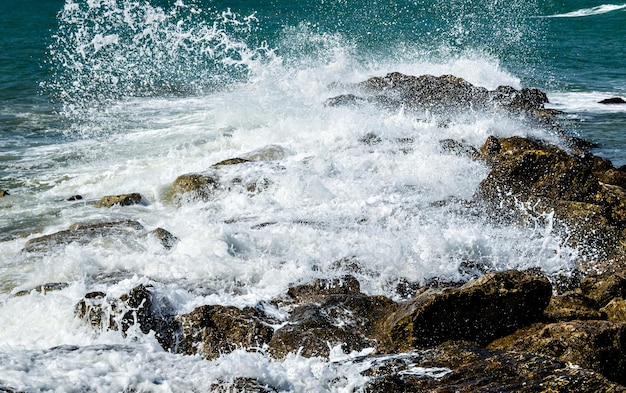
(509, 331)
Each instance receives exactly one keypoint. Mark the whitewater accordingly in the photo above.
(144, 94)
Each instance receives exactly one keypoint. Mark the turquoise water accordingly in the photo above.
(105, 97)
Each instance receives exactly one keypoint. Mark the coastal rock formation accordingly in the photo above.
(121, 200)
(613, 100)
(86, 232)
(482, 310)
(594, 345)
(215, 330)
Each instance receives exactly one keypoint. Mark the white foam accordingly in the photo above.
(597, 10)
(584, 102)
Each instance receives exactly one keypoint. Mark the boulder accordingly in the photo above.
(463, 367)
(211, 331)
(165, 237)
(492, 306)
(601, 289)
(121, 200)
(319, 289)
(135, 308)
(353, 321)
(615, 310)
(83, 233)
(594, 345)
(194, 187)
(572, 306)
(613, 100)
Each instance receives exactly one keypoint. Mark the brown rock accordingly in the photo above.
(602, 288)
(492, 306)
(353, 321)
(319, 289)
(121, 200)
(4, 193)
(615, 310)
(462, 367)
(215, 330)
(194, 186)
(571, 306)
(594, 345)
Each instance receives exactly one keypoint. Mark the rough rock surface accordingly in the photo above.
(594, 345)
(121, 200)
(464, 367)
(493, 306)
(215, 330)
(353, 321)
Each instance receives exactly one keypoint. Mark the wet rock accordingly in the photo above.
(353, 321)
(165, 237)
(135, 308)
(240, 384)
(4, 193)
(344, 100)
(572, 306)
(613, 100)
(43, 289)
(267, 153)
(458, 148)
(215, 330)
(194, 187)
(594, 345)
(463, 367)
(75, 198)
(83, 233)
(492, 306)
(121, 200)
(603, 288)
(319, 289)
(615, 310)
(230, 161)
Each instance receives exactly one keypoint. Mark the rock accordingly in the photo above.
(240, 384)
(134, 308)
(230, 161)
(353, 321)
(267, 153)
(594, 345)
(462, 367)
(493, 306)
(83, 233)
(121, 200)
(571, 306)
(4, 193)
(75, 198)
(43, 289)
(319, 289)
(615, 310)
(194, 187)
(613, 100)
(215, 330)
(165, 237)
(602, 288)
(459, 148)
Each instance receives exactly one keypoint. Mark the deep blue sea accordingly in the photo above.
(105, 97)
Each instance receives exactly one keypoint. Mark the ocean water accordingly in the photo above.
(104, 97)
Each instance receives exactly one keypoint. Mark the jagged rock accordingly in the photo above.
(613, 100)
(121, 200)
(615, 310)
(83, 233)
(133, 308)
(319, 289)
(572, 306)
(353, 321)
(462, 367)
(602, 288)
(165, 237)
(452, 146)
(215, 330)
(240, 384)
(490, 307)
(594, 345)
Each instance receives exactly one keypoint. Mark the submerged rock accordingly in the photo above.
(136, 308)
(492, 306)
(613, 100)
(121, 200)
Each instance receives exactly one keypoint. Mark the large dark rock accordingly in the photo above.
(613, 100)
(215, 330)
(594, 345)
(319, 289)
(353, 321)
(492, 306)
(463, 367)
(135, 308)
